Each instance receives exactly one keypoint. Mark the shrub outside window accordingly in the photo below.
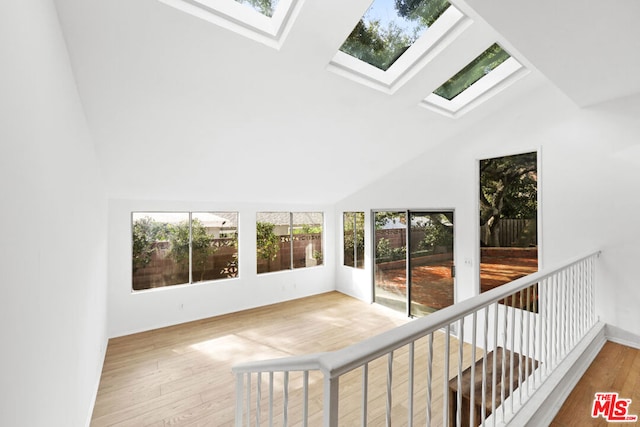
(172, 248)
(288, 240)
(353, 241)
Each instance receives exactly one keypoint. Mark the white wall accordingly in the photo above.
(53, 220)
(588, 192)
(131, 312)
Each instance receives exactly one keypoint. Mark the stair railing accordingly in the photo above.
(433, 370)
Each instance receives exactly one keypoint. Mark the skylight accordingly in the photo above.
(266, 21)
(389, 27)
(486, 62)
(265, 7)
(491, 71)
(394, 39)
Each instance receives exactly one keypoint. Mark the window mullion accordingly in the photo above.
(291, 240)
(355, 240)
(407, 260)
(190, 247)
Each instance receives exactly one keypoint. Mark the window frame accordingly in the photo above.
(439, 35)
(539, 201)
(291, 236)
(354, 223)
(189, 219)
(244, 20)
(501, 77)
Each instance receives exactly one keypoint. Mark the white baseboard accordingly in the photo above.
(620, 336)
(545, 403)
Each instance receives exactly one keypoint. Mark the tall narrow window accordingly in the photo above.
(171, 248)
(353, 239)
(288, 240)
(508, 219)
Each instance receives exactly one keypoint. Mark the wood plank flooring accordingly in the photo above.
(615, 369)
(181, 375)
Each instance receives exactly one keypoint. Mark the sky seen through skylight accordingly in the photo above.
(389, 27)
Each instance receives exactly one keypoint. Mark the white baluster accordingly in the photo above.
(365, 393)
(429, 377)
(410, 383)
(389, 386)
(445, 378)
(285, 400)
(305, 398)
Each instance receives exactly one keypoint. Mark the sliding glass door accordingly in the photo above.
(413, 256)
(431, 261)
(390, 255)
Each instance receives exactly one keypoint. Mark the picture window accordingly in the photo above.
(288, 240)
(174, 248)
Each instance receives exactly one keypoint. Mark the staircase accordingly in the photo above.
(494, 359)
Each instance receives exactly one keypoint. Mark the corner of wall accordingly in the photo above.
(621, 336)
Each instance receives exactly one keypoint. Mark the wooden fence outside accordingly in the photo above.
(519, 233)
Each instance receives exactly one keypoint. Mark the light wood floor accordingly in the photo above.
(615, 369)
(181, 375)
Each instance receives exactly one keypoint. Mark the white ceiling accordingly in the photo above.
(589, 49)
(182, 109)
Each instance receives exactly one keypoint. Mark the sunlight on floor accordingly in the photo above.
(234, 347)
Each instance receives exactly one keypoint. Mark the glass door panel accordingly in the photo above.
(431, 271)
(390, 254)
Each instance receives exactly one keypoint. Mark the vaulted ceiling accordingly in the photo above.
(180, 108)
